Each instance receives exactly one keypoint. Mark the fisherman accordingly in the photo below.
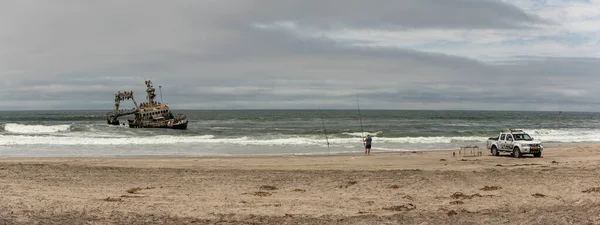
(368, 144)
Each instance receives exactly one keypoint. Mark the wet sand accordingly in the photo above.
(562, 187)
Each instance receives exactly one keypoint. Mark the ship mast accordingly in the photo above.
(160, 91)
(150, 93)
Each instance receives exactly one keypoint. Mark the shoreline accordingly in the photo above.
(266, 155)
(432, 160)
(428, 187)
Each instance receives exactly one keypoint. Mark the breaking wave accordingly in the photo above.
(316, 141)
(35, 129)
(15, 134)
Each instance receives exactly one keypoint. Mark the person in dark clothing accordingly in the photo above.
(368, 144)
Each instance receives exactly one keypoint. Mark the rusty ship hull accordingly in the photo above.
(160, 124)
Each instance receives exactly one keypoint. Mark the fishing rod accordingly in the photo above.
(362, 135)
(324, 130)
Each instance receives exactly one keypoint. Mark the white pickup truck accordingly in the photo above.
(516, 142)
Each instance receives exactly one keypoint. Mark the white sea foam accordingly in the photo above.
(35, 129)
(7, 140)
(55, 135)
(565, 135)
(362, 134)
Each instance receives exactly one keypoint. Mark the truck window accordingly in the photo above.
(502, 137)
(509, 137)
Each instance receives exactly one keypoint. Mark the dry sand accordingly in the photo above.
(562, 187)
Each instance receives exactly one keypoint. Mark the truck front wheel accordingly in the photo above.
(517, 152)
(495, 151)
(537, 154)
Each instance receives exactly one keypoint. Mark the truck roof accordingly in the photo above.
(512, 131)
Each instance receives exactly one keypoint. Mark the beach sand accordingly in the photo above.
(562, 187)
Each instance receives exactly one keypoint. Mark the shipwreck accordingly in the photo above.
(149, 114)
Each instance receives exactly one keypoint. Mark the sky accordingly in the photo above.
(283, 54)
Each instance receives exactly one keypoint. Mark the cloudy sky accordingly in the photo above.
(241, 54)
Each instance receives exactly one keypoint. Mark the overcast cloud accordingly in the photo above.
(283, 54)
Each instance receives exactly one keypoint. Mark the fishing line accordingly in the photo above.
(324, 130)
(360, 119)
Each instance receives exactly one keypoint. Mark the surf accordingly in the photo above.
(35, 129)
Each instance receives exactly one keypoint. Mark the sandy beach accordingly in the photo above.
(435, 187)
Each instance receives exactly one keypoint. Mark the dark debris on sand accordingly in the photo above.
(538, 195)
(460, 195)
(261, 193)
(405, 207)
(348, 184)
(490, 188)
(591, 190)
(268, 187)
(395, 186)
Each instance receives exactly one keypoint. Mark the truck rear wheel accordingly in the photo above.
(495, 151)
(516, 152)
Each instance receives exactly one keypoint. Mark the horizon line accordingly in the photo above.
(276, 109)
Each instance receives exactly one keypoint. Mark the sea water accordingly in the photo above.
(281, 132)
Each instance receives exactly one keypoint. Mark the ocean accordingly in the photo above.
(281, 132)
